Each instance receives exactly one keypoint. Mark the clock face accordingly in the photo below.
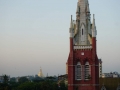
(82, 53)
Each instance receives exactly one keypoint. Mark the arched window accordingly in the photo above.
(87, 71)
(82, 31)
(78, 71)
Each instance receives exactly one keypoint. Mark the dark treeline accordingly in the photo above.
(42, 85)
(48, 84)
(25, 84)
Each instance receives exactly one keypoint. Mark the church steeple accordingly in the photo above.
(82, 63)
(83, 24)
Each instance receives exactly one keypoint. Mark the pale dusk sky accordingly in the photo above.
(35, 33)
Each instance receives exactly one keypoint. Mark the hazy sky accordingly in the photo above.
(35, 33)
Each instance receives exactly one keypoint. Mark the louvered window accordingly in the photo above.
(87, 71)
(78, 71)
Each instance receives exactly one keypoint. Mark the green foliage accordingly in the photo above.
(42, 85)
(5, 77)
(26, 86)
(38, 84)
(23, 79)
(62, 86)
(4, 85)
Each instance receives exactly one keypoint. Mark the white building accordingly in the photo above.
(100, 68)
(111, 75)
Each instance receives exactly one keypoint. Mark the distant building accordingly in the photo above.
(30, 78)
(13, 79)
(63, 77)
(52, 78)
(104, 75)
(115, 74)
(100, 67)
(111, 75)
(17, 79)
(1, 79)
(40, 74)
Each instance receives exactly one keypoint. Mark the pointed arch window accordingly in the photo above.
(87, 71)
(82, 31)
(78, 71)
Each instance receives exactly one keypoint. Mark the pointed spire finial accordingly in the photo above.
(71, 24)
(94, 32)
(93, 16)
(87, 2)
(71, 28)
(78, 8)
(88, 10)
(71, 18)
(93, 20)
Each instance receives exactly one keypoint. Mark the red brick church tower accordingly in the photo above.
(82, 64)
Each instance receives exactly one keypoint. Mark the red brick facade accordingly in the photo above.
(92, 83)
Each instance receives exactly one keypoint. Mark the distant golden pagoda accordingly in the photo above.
(40, 74)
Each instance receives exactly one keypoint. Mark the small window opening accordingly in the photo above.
(82, 31)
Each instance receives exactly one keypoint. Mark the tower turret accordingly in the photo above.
(88, 9)
(71, 35)
(71, 28)
(78, 8)
(94, 32)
